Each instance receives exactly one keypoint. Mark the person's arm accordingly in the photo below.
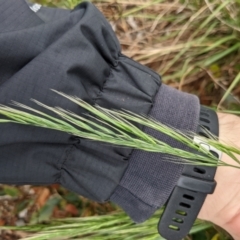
(223, 206)
(77, 53)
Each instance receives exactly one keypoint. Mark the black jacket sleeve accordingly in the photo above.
(76, 52)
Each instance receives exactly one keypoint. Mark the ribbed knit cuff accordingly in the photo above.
(149, 181)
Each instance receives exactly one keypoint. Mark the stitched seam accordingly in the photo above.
(143, 128)
(129, 156)
(68, 152)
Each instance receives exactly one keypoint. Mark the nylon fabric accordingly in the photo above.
(77, 53)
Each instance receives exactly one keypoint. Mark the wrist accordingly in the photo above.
(222, 207)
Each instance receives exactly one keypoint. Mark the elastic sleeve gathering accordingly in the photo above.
(150, 177)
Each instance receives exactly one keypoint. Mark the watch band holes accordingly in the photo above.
(188, 197)
(199, 170)
(185, 205)
(182, 213)
(204, 114)
(175, 228)
(214, 153)
(204, 120)
(178, 220)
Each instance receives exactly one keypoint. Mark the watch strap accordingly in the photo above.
(192, 187)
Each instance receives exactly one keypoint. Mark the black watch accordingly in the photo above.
(192, 187)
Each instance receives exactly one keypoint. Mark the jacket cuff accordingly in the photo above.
(148, 181)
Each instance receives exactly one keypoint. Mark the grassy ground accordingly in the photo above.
(194, 45)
